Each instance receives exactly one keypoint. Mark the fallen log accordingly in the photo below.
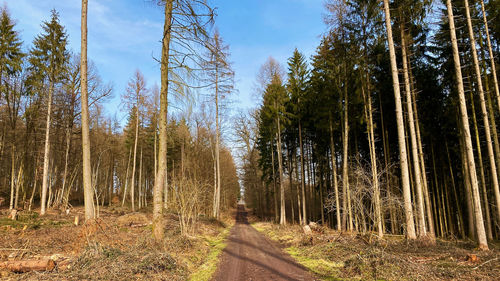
(28, 265)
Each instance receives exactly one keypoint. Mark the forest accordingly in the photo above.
(386, 137)
(390, 128)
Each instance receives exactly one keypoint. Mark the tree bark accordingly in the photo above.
(158, 224)
(302, 175)
(46, 154)
(87, 179)
(280, 171)
(334, 176)
(422, 231)
(481, 233)
(410, 226)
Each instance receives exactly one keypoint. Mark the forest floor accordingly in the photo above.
(332, 255)
(118, 246)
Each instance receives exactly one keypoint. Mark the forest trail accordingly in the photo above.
(251, 256)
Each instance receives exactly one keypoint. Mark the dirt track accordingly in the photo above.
(251, 256)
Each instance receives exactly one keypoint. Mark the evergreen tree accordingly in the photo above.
(48, 59)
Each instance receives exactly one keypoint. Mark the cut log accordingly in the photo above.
(28, 265)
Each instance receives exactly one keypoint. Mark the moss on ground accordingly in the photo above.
(208, 268)
(331, 255)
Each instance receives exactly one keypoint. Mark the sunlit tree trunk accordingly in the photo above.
(280, 171)
(87, 172)
(410, 226)
(334, 176)
(126, 177)
(422, 231)
(373, 157)
(492, 57)
(46, 153)
(484, 110)
(481, 166)
(481, 233)
(158, 224)
(302, 176)
(346, 204)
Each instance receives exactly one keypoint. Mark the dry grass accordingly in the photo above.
(109, 248)
(341, 256)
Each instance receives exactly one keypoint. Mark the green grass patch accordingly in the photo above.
(207, 269)
(326, 270)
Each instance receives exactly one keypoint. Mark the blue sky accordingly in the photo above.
(124, 35)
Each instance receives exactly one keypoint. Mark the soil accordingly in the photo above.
(249, 255)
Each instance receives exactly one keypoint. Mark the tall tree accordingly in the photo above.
(481, 233)
(136, 96)
(403, 158)
(221, 81)
(298, 74)
(11, 60)
(87, 179)
(48, 59)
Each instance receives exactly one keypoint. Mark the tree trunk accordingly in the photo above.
(126, 177)
(87, 179)
(46, 154)
(428, 205)
(217, 149)
(334, 176)
(422, 231)
(489, 145)
(12, 176)
(302, 175)
(134, 159)
(492, 57)
(346, 212)
(158, 224)
(410, 226)
(481, 166)
(481, 233)
(280, 171)
(274, 184)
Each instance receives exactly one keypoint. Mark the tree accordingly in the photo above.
(48, 59)
(221, 81)
(410, 226)
(87, 180)
(297, 86)
(481, 234)
(11, 60)
(136, 96)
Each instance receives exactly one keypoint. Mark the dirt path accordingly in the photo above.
(251, 256)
